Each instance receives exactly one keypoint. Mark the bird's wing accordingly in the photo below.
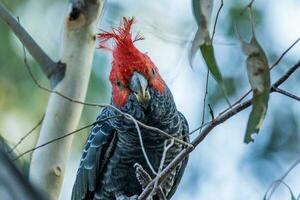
(180, 172)
(98, 148)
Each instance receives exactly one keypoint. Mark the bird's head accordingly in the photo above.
(132, 71)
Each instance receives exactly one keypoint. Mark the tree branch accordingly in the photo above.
(286, 75)
(220, 119)
(275, 89)
(285, 52)
(55, 71)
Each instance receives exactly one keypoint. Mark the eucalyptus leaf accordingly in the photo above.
(207, 51)
(259, 79)
(202, 11)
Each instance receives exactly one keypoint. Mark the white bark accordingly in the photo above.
(48, 163)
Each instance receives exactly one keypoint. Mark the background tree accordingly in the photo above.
(69, 76)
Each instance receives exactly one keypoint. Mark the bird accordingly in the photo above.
(113, 156)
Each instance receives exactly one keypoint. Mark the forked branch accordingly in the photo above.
(55, 71)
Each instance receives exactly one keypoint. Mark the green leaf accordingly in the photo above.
(207, 51)
(202, 10)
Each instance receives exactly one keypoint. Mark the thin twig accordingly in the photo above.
(249, 5)
(161, 165)
(179, 141)
(216, 21)
(251, 20)
(204, 106)
(237, 102)
(285, 76)
(285, 93)
(141, 142)
(211, 112)
(66, 135)
(204, 99)
(219, 120)
(166, 149)
(283, 54)
(27, 134)
(277, 182)
(198, 128)
(48, 66)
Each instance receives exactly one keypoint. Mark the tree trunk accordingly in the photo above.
(48, 163)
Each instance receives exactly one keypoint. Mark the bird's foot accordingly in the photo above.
(144, 179)
(142, 176)
(124, 197)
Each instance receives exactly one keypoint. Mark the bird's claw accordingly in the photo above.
(124, 197)
(144, 179)
(142, 176)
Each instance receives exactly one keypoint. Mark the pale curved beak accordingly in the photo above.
(139, 85)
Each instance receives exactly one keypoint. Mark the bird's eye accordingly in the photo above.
(152, 72)
(119, 83)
